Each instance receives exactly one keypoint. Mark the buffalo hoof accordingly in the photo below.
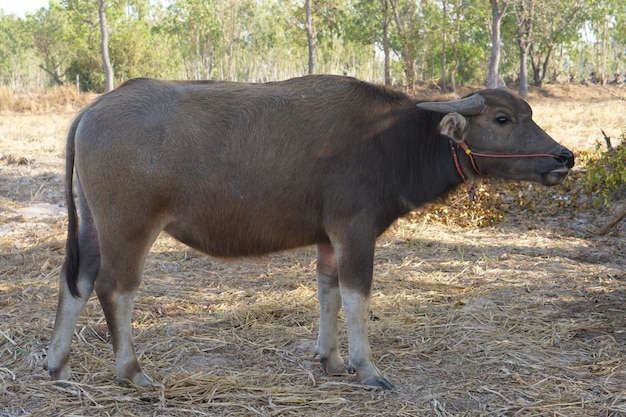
(379, 382)
(59, 375)
(141, 381)
(332, 364)
(374, 380)
(62, 382)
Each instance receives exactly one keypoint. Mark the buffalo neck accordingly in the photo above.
(428, 171)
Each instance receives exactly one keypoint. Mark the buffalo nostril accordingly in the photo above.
(570, 158)
(566, 157)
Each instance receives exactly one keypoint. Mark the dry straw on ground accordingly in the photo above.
(525, 317)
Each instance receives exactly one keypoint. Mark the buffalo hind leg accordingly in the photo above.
(119, 277)
(69, 307)
(117, 307)
(329, 298)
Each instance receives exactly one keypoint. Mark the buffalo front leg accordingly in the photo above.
(355, 263)
(356, 307)
(329, 297)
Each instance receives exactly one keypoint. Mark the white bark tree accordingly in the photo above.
(498, 10)
(106, 61)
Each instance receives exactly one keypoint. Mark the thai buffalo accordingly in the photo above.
(236, 170)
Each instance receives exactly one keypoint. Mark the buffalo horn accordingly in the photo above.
(468, 106)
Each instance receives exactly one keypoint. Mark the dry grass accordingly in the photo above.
(52, 99)
(523, 318)
(575, 115)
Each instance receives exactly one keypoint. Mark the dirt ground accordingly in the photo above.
(524, 317)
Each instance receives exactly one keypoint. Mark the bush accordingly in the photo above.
(605, 177)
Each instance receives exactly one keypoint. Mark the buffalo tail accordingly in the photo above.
(71, 246)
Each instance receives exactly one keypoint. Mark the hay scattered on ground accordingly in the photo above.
(525, 317)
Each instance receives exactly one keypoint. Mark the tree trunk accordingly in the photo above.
(604, 45)
(523, 72)
(53, 74)
(455, 50)
(494, 60)
(536, 70)
(407, 55)
(310, 36)
(540, 68)
(524, 17)
(455, 68)
(546, 62)
(386, 43)
(231, 47)
(104, 30)
(444, 87)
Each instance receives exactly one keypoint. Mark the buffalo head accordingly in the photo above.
(496, 131)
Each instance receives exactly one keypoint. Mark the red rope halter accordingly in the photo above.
(471, 154)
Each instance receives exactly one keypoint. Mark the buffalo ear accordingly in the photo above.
(454, 126)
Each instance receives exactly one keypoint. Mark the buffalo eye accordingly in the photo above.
(502, 120)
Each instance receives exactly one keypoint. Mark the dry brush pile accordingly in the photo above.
(523, 315)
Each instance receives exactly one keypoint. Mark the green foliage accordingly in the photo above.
(260, 40)
(88, 70)
(51, 39)
(605, 174)
(17, 56)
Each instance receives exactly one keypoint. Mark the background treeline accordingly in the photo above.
(438, 42)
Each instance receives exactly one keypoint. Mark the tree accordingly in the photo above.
(464, 37)
(199, 34)
(405, 26)
(275, 45)
(524, 11)
(556, 24)
(18, 60)
(139, 47)
(231, 14)
(459, 56)
(385, 27)
(310, 35)
(444, 38)
(106, 62)
(50, 38)
(369, 27)
(606, 25)
(435, 41)
(85, 38)
(498, 10)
